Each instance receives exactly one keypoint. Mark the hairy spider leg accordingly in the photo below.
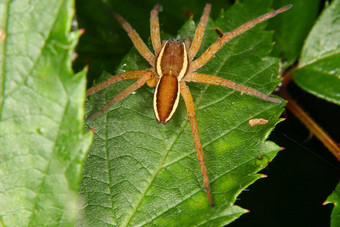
(216, 46)
(154, 29)
(130, 75)
(198, 37)
(189, 104)
(187, 43)
(215, 80)
(137, 40)
(140, 82)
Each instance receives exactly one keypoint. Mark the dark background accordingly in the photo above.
(301, 177)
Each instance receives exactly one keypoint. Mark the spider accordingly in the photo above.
(173, 64)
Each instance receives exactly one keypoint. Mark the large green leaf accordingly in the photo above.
(42, 142)
(319, 71)
(335, 199)
(141, 173)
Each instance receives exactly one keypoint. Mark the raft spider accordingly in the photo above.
(173, 63)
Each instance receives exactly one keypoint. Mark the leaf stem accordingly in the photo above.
(315, 129)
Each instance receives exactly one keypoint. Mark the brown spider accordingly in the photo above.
(173, 64)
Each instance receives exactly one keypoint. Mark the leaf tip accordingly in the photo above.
(82, 31)
(327, 202)
(188, 14)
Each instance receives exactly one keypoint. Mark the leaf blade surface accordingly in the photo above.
(141, 173)
(42, 142)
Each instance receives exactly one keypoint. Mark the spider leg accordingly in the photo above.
(154, 29)
(137, 40)
(140, 82)
(189, 104)
(130, 75)
(215, 80)
(187, 43)
(216, 46)
(198, 37)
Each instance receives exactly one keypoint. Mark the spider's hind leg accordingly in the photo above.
(189, 104)
(219, 81)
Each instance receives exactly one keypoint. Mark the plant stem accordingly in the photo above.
(315, 129)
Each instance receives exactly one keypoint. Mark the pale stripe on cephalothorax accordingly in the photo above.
(161, 56)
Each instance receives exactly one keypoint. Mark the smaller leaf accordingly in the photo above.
(319, 71)
(335, 198)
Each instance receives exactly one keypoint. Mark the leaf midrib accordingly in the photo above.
(315, 60)
(48, 36)
(46, 173)
(160, 165)
(109, 167)
(60, 125)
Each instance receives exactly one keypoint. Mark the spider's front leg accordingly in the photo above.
(136, 39)
(154, 29)
(130, 75)
(198, 37)
(189, 104)
(147, 75)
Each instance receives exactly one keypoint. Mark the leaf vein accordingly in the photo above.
(109, 173)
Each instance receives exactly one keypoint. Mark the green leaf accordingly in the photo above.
(292, 27)
(319, 71)
(42, 142)
(141, 173)
(335, 198)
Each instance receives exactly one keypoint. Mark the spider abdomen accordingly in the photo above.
(166, 98)
(171, 67)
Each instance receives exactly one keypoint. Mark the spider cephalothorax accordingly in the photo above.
(173, 64)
